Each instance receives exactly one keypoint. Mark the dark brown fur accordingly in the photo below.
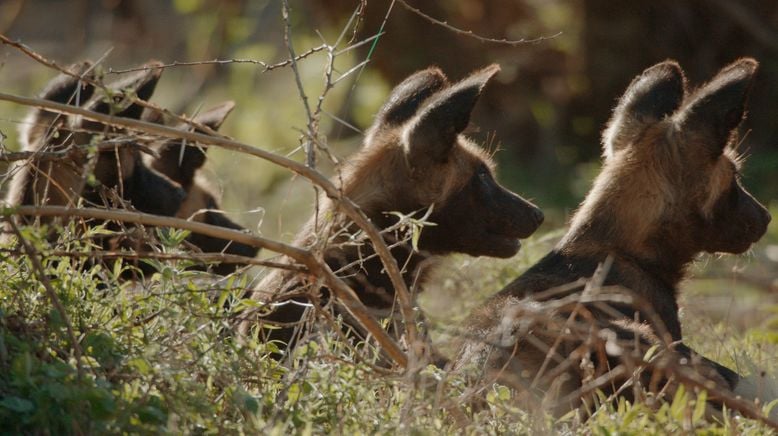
(182, 163)
(414, 157)
(165, 185)
(63, 182)
(668, 190)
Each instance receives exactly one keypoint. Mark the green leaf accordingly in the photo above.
(16, 404)
(699, 407)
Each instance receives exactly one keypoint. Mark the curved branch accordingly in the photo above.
(349, 207)
(345, 294)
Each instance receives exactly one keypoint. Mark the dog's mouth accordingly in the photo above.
(501, 245)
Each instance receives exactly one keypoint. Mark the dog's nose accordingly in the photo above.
(538, 216)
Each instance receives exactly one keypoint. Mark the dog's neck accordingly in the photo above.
(663, 257)
(362, 269)
(653, 276)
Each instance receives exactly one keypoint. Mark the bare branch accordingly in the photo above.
(312, 125)
(348, 206)
(345, 294)
(132, 98)
(265, 66)
(471, 34)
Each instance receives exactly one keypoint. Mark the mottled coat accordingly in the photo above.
(414, 158)
(668, 190)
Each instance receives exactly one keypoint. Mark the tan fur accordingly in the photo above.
(668, 190)
(197, 200)
(414, 158)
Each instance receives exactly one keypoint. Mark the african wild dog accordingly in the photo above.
(669, 189)
(163, 185)
(414, 157)
(63, 181)
(181, 162)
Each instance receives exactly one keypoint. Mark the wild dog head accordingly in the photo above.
(671, 183)
(415, 156)
(181, 161)
(117, 167)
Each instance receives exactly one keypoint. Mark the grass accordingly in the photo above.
(158, 357)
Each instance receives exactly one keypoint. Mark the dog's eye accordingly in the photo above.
(483, 174)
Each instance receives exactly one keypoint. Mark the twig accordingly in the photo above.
(348, 206)
(345, 294)
(312, 124)
(265, 66)
(130, 97)
(44, 156)
(471, 34)
(198, 257)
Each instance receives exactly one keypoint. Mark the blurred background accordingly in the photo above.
(544, 112)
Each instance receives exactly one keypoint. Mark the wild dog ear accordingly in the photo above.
(142, 83)
(407, 97)
(433, 132)
(215, 116)
(68, 89)
(65, 89)
(181, 165)
(719, 107)
(651, 96)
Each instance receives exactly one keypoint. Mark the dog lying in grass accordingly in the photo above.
(414, 160)
(105, 166)
(669, 189)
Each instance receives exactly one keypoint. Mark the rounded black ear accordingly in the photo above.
(719, 107)
(142, 83)
(180, 162)
(67, 89)
(652, 96)
(434, 130)
(215, 116)
(407, 97)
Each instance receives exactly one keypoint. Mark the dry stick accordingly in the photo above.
(132, 98)
(349, 207)
(44, 279)
(45, 156)
(40, 155)
(470, 33)
(265, 66)
(346, 295)
(310, 155)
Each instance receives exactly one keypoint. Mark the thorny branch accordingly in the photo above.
(99, 85)
(349, 208)
(346, 295)
(265, 66)
(471, 34)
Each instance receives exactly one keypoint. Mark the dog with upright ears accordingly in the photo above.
(414, 159)
(669, 189)
(164, 184)
(63, 181)
(182, 163)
